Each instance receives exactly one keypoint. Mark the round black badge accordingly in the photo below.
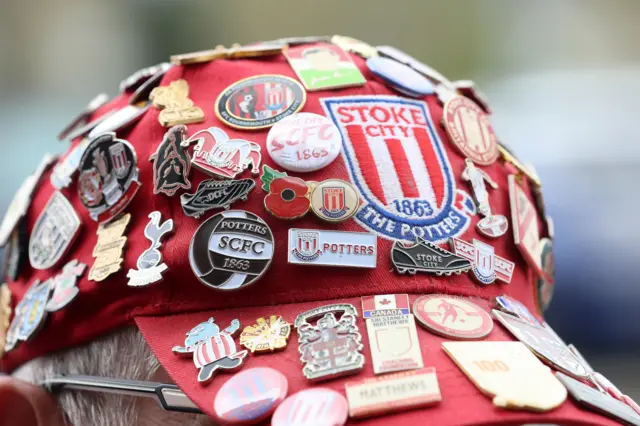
(231, 250)
(260, 101)
(108, 178)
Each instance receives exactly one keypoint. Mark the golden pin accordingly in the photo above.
(509, 158)
(175, 104)
(266, 335)
(108, 250)
(5, 315)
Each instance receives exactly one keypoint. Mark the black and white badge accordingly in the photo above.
(108, 178)
(215, 194)
(54, 231)
(171, 163)
(231, 250)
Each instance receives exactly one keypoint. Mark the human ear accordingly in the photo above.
(24, 404)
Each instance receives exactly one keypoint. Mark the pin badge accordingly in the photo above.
(487, 266)
(334, 200)
(323, 66)
(304, 142)
(5, 315)
(424, 256)
(331, 348)
(321, 247)
(53, 233)
(353, 45)
(544, 343)
(509, 373)
(84, 115)
(255, 50)
(30, 315)
(393, 338)
(445, 93)
(470, 131)
(525, 226)
(215, 194)
(118, 120)
(263, 389)
(15, 251)
(600, 402)
(150, 265)
(218, 155)
(325, 406)
(108, 178)
(469, 89)
(171, 163)
(400, 77)
(199, 57)
(287, 196)
(231, 250)
(22, 200)
(297, 41)
(516, 308)
(108, 250)
(266, 335)
(63, 172)
(406, 59)
(510, 158)
(175, 104)
(220, 52)
(83, 131)
(492, 225)
(212, 348)
(143, 93)
(545, 285)
(64, 285)
(393, 392)
(452, 317)
(260, 101)
(136, 79)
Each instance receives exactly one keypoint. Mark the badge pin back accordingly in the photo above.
(459, 116)
(119, 119)
(214, 349)
(400, 77)
(171, 163)
(321, 247)
(509, 373)
(304, 142)
(330, 408)
(175, 105)
(263, 389)
(266, 335)
(452, 317)
(487, 266)
(334, 200)
(526, 234)
(149, 264)
(53, 233)
(64, 286)
(109, 248)
(339, 352)
(139, 77)
(424, 256)
(84, 115)
(5, 315)
(355, 46)
(223, 265)
(215, 194)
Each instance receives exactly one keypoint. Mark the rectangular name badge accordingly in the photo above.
(332, 248)
(393, 392)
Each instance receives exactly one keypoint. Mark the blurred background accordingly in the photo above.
(563, 79)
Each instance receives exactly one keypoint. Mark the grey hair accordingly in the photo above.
(123, 354)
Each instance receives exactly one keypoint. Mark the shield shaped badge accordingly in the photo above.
(308, 242)
(484, 262)
(333, 199)
(121, 165)
(395, 342)
(274, 95)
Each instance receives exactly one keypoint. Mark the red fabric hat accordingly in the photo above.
(165, 311)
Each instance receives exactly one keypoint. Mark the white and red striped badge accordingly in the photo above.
(213, 349)
(385, 304)
(525, 226)
(315, 406)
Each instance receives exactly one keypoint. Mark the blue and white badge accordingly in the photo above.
(400, 77)
(29, 316)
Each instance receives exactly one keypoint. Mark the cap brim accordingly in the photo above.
(462, 403)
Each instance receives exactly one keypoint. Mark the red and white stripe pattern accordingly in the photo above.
(525, 226)
(213, 349)
(310, 406)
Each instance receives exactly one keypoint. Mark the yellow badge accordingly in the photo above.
(175, 104)
(508, 372)
(108, 250)
(334, 200)
(267, 335)
(5, 315)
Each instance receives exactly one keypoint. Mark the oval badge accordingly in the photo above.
(453, 317)
(317, 406)
(260, 101)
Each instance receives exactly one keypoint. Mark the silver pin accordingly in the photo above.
(491, 225)
(149, 264)
(64, 285)
(139, 77)
(119, 119)
(215, 194)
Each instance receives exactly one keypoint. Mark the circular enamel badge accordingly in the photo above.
(334, 200)
(304, 142)
(250, 396)
(108, 178)
(400, 77)
(546, 284)
(260, 101)
(231, 250)
(452, 317)
(316, 406)
(470, 131)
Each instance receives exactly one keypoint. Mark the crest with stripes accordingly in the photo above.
(400, 167)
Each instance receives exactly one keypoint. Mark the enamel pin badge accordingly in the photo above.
(116, 120)
(213, 349)
(136, 79)
(525, 225)
(150, 265)
(492, 225)
(218, 155)
(171, 163)
(108, 178)
(487, 266)
(266, 335)
(175, 104)
(64, 285)
(53, 233)
(5, 315)
(63, 172)
(452, 317)
(516, 308)
(334, 200)
(545, 285)
(30, 315)
(108, 250)
(236, 51)
(332, 248)
(215, 194)
(423, 256)
(332, 347)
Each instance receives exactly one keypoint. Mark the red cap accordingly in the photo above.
(383, 168)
